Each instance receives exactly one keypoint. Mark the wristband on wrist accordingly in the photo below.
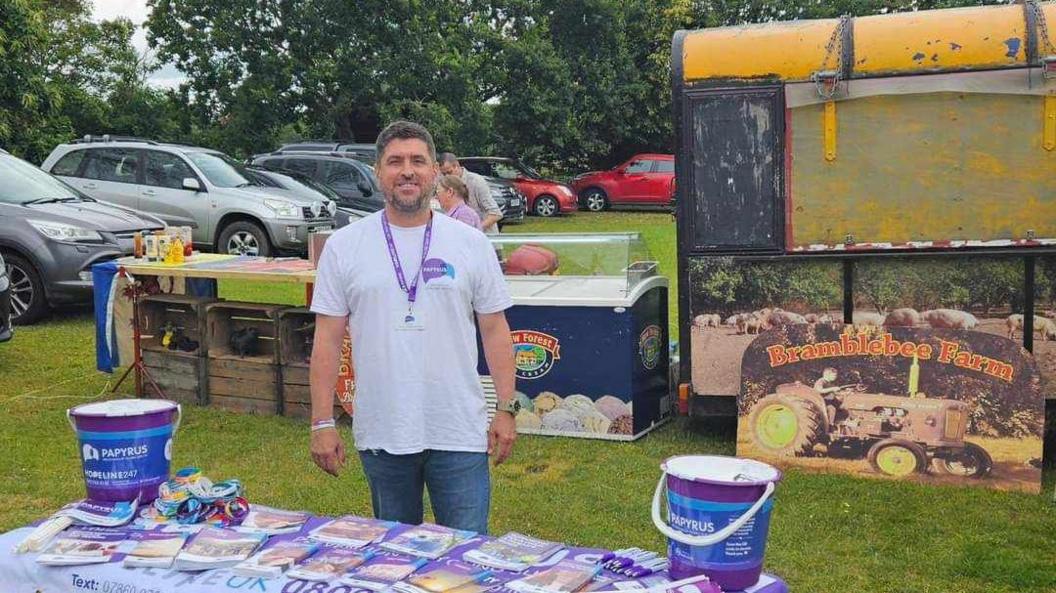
(323, 424)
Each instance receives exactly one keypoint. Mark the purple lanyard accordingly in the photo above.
(412, 290)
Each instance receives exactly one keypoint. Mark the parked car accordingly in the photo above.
(646, 180)
(5, 302)
(352, 180)
(544, 197)
(364, 152)
(191, 186)
(51, 234)
(311, 189)
(509, 199)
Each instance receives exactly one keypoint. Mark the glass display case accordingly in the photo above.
(589, 329)
(560, 268)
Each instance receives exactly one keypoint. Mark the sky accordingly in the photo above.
(136, 10)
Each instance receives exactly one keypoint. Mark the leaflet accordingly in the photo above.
(427, 540)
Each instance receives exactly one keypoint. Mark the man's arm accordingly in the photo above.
(328, 451)
(498, 351)
(491, 211)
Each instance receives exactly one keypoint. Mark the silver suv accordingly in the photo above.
(191, 186)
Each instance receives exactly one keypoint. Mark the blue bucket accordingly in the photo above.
(718, 517)
(126, 446)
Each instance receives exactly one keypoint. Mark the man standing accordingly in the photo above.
(479, 193)
(407, 285)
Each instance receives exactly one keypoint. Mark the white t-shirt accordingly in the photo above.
(415, 389)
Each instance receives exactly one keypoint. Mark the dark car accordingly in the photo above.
(308, 188)
(509, 199)
(51, 235)
(350, 178)
(544, 197)
(364, 152)
(5, 303)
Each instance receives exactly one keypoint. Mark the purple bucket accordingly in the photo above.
(718, 517)
(126, 446)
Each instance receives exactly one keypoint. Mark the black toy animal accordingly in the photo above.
(244, 341)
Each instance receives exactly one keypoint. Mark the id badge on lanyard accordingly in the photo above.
(411, 320)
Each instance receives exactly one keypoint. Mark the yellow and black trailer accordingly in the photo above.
(901, 135)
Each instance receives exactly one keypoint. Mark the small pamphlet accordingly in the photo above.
(427, 540)
(513, 551)
(100, 513)
(329, 563)
(274, 560)
(382, 571)
(441, 576)
(217, 548)
(154, 549)
(567, 576)
(352, 532)
(491, 580)
(262, 519)
(82, 546)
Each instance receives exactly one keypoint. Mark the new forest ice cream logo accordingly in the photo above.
(534, 353)
(649, 346)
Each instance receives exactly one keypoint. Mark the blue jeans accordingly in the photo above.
(459, 487)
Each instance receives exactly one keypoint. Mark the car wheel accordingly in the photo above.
(595, 199)
(28, 301)
(546, 206)
(245, 238)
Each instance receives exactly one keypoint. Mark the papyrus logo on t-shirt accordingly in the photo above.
(436, 268)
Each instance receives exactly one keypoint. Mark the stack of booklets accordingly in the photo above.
(567, 576)
(513, 551)
(100, 513)
(427, 540)
(217, 548)
(351, 532)
(154, 549)
(441, 577)
(82, 546)
(262, 519)
(329, 563)
(274, 560)
(382, 571)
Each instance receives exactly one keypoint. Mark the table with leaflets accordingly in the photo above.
(20, 573)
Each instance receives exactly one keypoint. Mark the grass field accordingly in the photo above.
(830, 533)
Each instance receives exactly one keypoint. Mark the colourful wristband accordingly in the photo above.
(321, 424)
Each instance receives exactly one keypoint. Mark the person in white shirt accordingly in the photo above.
(407, 284)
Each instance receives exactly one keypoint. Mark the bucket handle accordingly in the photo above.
(704, 540)
(175, 426)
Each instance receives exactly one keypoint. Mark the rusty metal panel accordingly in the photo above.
(930, 170)
(941, 40)
(736, 174)
(970, 38)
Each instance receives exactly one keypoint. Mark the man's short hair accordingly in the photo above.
(448, 158)
(404, 130)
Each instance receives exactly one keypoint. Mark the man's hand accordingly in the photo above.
(501, 435)
(328, 450)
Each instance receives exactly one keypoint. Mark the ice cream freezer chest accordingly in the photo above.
(591, 353)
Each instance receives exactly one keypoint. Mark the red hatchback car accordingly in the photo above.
(545, 197)
(644, 180)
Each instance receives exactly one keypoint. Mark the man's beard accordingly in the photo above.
(408, 206)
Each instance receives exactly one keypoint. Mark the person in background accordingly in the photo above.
(452, 194)
(480, 198)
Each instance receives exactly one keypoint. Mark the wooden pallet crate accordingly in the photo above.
(248, 383)
(296, 329)
(180, 374)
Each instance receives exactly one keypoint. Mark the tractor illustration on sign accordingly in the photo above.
(900, 435)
